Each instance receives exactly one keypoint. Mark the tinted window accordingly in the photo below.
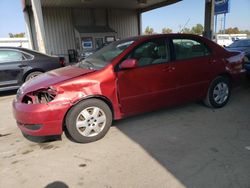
(151, 52)
(187, 48)
(8, 55)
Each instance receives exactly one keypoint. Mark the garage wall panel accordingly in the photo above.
(124, 22)
(59, 30)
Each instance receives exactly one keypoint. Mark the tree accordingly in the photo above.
(198, 29)
(245, 32)
(166, 30)
(149, 30)
(17, 35)
(186, 30)
(231, 30)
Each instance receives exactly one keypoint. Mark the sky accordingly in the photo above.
(185, 13)
(191, 12)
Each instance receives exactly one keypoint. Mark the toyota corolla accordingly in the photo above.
(125, 78)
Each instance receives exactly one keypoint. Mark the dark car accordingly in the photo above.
(18, 65)
(242, 45)
(125, 78)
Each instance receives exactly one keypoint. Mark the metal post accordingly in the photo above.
(224, 27)
(139, 22)
(28, 27)
(209, 19)
(215, 25)
(39, 24)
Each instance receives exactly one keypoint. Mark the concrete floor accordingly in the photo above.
(185, 146)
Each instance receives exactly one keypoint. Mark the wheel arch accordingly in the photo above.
(99, 97)
(30, 71)
(228, 76)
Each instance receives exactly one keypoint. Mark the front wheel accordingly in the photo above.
(89, 120)
(32, 75)
(218, 92)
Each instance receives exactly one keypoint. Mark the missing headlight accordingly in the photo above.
(42, 96)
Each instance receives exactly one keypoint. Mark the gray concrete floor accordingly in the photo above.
(185, 146)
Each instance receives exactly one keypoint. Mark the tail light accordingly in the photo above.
(236, 61)
(236, 58)
(62, 61)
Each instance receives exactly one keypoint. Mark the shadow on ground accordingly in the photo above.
(57, 184)
(42, 139)
(201, 147)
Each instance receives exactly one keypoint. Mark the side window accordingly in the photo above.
(187, 49)
(8, 55)
(27, 56)
(151, 52)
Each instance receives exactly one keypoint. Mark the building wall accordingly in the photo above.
(124, 22)
(33, 28)
(60, 31)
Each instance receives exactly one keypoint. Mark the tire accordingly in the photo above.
(88, 120)
(32, 75)
(218, 93)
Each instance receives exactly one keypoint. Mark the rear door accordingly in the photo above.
(194, 65)
(10, 67)
(152, 84)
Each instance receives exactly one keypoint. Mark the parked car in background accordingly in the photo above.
(227, 39)
(242, 45)
(18, 65)
(125, 78)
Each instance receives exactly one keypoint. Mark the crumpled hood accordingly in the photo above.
(53, 77)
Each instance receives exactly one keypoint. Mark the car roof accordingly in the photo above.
(171, 35)
(33, 52)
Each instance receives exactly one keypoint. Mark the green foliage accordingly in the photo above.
(17, 35)
(166, 30)
(198, 29)
(149, 30)
(186, 30)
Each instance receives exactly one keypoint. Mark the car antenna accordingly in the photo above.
(181, 29)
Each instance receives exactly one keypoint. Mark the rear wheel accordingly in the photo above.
(218, 93)
(32, 75)
(89, 120)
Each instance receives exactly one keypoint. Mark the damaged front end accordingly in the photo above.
(42, 96)
(40, 112)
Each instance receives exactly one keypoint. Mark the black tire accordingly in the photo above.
(32, 75)
(210, 98)
(74, 115)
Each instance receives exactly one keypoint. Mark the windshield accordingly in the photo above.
(104, 56)
(240, 43)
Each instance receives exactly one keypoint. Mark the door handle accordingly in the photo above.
(168, 69)
(213, 61)
(22, 66)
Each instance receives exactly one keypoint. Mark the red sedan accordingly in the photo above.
(128, 77)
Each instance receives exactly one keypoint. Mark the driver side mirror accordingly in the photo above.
(129, 64)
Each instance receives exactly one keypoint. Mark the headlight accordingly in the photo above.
(41, 96)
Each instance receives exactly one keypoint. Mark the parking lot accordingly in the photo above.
(186, 146)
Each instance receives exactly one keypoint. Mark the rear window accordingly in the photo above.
(188, 48)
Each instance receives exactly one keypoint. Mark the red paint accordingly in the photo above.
(130, 90)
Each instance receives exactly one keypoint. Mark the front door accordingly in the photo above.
(151, 85)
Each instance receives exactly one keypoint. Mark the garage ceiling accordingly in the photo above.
(143, 5)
